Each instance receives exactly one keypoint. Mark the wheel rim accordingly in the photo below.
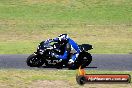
(35, 61)
(85, 59)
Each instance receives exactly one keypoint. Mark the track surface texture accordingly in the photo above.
(115, 62)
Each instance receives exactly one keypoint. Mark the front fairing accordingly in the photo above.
(41, 48)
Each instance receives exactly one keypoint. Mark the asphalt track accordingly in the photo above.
(115, 62)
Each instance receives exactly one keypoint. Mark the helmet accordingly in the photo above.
(63, 38)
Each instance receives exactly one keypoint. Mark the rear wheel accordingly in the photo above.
(83, 60)
(34, 61)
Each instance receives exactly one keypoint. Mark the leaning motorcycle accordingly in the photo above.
(43, 56)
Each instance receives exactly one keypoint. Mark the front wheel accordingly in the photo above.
(34, 61)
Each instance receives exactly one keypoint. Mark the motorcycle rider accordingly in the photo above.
(70, 47)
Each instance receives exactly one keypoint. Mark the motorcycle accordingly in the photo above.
(43, 56)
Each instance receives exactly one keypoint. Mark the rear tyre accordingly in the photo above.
(34, 61)
(83, 60)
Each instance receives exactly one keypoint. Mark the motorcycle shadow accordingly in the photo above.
(55, 67)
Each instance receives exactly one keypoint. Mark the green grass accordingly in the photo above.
(97, 11)
(106, 24)
(14, 78)
(105, 39)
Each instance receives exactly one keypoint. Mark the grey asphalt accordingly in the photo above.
(115, 62)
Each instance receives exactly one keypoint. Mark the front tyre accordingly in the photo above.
(34, 61)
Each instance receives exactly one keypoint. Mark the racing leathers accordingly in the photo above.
(70, 47)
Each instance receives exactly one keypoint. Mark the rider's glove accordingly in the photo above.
(70, 61)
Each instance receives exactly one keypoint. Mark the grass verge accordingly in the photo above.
(107, 39)
(22, 78)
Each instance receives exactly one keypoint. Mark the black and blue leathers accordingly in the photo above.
(74, 49)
